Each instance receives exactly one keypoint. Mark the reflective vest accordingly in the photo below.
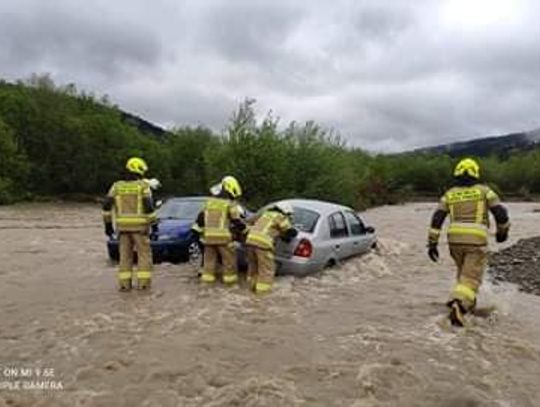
(269, 226)
(129, 208)
(216, 222)
(468, 209)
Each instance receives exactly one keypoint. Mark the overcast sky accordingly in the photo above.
(388, 75)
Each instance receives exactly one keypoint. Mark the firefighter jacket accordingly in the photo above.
(267, 228)
(218, 217)
(468, 208)
(130, 204)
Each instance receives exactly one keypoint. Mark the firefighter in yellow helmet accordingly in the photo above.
(130, 203)
(216, 223)
(260, 242)
(468, 204)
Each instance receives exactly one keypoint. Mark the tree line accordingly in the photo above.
(56, 141)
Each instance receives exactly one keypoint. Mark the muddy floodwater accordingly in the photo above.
(370, 332)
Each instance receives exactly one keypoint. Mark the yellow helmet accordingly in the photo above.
(467, 166)
(136, 165)
(232, 186)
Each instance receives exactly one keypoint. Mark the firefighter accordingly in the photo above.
(468, 203)
(216, 224)
(130, 201)
(272, 223)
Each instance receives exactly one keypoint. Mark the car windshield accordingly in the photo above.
(180, 209)
(305, 220)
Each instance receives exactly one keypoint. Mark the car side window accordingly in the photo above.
(338, 227)
(356, 225)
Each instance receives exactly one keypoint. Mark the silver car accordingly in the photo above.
(328, 233)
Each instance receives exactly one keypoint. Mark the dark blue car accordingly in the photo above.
(174, 242)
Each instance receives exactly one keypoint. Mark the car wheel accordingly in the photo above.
(195, 254)
(330, 264)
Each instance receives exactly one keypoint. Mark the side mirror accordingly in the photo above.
(370, 229)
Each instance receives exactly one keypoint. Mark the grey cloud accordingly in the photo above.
(386, 74)
(180, 104)
(382, 23)
(61, 40)
(249, 31)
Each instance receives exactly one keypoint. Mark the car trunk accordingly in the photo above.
(286, 250)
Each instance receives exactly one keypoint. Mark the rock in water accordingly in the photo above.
(518, 264)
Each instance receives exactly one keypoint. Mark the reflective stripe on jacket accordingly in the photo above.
(130, 210)
(469, 217)
(217, 221)
(269, 226)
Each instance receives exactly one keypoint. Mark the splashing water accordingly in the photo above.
(370, 332)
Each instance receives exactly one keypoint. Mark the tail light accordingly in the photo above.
(304, 249)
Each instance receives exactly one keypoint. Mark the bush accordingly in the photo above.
(55, 141)
(6, 191)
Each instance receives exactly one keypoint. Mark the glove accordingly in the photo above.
(237, 226)
(109, 230)
(289, 235)
(433, 252)
(154, 232)
(501, 236)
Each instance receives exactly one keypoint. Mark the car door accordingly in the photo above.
(339, 235)
(359, 241)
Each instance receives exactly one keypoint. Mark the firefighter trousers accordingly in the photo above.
(261, 268)
(225, 252)
(471, 261)
(128, 241)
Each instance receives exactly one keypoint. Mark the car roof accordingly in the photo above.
(188, 198)
(322, 207)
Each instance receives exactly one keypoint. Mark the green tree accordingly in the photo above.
(13, 166)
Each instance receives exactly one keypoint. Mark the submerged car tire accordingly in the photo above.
(330, 264)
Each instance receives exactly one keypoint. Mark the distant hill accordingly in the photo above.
(142, 125)
(55, 140)
(497, 145)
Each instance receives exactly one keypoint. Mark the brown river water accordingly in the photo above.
(371, 332)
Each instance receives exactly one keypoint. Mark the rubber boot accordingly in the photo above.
(208, 277)
(143, 284)
(124, 285)
(230, 278)
(263, 288)
(251, 281)
(457, 313)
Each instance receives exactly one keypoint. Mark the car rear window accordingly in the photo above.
(179, 209)
(305, 220)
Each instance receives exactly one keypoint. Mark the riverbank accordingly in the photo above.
(518, 264)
